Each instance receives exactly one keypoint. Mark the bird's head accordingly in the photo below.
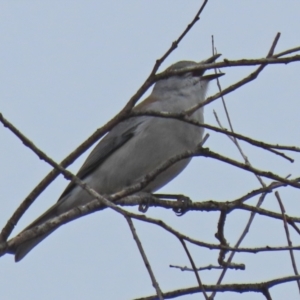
(186, 83)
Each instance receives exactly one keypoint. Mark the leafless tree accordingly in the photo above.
(128, 197)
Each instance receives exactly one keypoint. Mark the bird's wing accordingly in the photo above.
(117, 137)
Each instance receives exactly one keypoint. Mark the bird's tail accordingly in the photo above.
(23, 249)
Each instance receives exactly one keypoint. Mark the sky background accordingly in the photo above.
(67, 67)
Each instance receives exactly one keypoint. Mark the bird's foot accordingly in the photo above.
(146, 201)
(185, 203)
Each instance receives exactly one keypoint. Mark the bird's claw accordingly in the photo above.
(146, 201)
(185, 203)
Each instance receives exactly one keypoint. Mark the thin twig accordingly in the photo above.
(261, 199)
(289, 51)
(208, 153)
(180, 116)
(228, 90)
(234, 140)
(185, 268)
(236, 143)
(287, 233)
(175, 43)
(145, 259)
(220, 236)
(194, 268)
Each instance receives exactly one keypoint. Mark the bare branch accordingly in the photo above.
(207, 153)
(260, 287)
(226, 63)
(145, 259)
(180, 38)
(287, 233)
(209, 267)
(194, 268)
(96, 204)
(189, 120)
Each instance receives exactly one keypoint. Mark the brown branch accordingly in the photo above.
(208, 206)
(11, 223)
(289, 51)
(214, 51)
(266, 189)
(175, 43)
(211, 267)
(185, 268)
(221, 237)
(249, 78)
(241, 238)
(236, 143)
(96, 205)
(226, 63)
(234, 139)
(68, 175)
(270, 59)
(194, 268)
(207, 153)
(287, 233)
(145, 259)
(247, 162)
(6, 231)
(183, 117)
(260, 287)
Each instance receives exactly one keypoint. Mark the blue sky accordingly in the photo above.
(66, 67)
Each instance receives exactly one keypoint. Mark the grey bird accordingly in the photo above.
(138, 146)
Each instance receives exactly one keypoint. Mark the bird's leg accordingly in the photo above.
(184, 201)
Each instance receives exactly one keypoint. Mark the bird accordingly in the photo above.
(137, 146)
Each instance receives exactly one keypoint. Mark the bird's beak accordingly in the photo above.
(206, 61)
(211, 59)
(212, 76)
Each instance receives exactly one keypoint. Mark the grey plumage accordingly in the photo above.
(137, 146)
